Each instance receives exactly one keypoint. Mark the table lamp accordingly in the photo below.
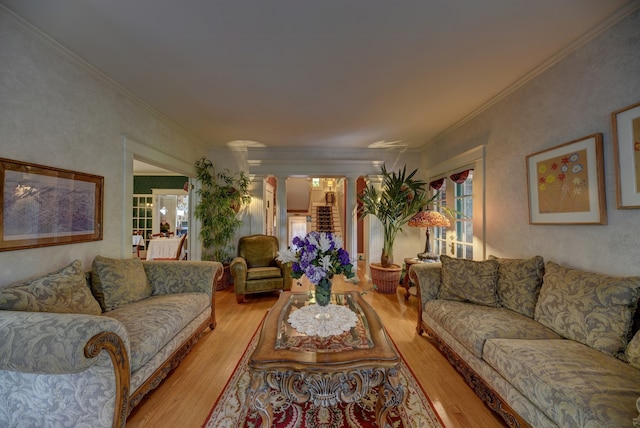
(428, 219)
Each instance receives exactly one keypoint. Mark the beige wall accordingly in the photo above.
(572, 99)
(57, 112)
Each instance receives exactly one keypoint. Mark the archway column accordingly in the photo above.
(281, 211)
(254, 221)
(351, 215)
(373, 231)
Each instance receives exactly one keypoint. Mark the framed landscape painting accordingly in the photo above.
(41, 205)
(566, 183)
(626, 149)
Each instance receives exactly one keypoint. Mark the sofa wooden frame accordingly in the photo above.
(488, 395)
(114, 346)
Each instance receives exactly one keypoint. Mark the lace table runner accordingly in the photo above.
(340, 320)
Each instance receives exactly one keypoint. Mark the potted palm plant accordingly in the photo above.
(400, 197)
(221, 196)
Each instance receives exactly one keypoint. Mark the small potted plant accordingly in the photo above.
(399, 198)
(222, 194)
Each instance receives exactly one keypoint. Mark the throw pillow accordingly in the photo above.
(632, 353)
(593, 309)
(116, 282)
(469, 281)
(519, 282)
(63, 291)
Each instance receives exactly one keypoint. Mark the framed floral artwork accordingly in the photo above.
(566, 183)
(42, 205)
(626, 149)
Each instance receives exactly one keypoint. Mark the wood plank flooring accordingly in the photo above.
(185, 398)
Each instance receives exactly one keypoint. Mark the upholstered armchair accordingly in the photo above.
(256, 269)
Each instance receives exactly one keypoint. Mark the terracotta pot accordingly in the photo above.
(385, 280)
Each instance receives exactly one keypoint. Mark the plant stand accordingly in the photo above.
(385, 280)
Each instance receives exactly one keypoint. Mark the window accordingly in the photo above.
(458, 239)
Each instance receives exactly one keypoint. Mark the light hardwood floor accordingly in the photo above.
(185, 398)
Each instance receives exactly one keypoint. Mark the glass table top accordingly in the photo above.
(288, 338)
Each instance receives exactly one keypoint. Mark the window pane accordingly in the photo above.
(469, 232)
(467, 204)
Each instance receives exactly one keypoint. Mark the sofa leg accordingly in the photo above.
(240, 298)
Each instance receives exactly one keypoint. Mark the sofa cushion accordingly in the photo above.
(151, 323)
(577, 386)
(519, 282)
(117, 282)
(469, 281)
(486, 322)
(591, 308)
(263, 272)
(632, 353)
(63, 291)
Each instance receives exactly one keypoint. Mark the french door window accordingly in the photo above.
(458, 239)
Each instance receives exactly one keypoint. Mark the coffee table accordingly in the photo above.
(325, 371)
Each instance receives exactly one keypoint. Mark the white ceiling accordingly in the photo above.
(325, 73)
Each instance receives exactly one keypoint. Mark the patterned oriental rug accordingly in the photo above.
(231, 411)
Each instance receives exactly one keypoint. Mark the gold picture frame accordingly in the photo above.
(41, 206)
(625, 124)
(566, 183)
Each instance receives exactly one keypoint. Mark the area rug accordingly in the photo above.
(231, 411)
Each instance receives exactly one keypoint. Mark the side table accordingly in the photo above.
(406, 282)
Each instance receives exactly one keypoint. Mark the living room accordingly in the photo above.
(58, 110)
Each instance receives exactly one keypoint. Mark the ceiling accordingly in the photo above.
(326, 73)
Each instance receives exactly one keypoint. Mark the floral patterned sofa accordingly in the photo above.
(82, 349)
(542, 344)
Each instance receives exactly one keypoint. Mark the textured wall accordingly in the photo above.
(57, 112)
(571, 100)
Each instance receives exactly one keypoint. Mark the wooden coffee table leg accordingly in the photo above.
(391, 395)
(258, 398)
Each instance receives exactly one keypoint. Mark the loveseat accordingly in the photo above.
(81, 350)
(542, 344)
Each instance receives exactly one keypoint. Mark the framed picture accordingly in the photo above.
(566, 183)
(626, 149)
(41, 206)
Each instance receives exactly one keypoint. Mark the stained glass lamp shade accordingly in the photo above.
(428, 219)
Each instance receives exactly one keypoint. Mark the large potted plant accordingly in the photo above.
(221, 196)
(399, 198)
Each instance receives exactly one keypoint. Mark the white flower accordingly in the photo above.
(287, 256)
(325, 262)
(325, 242)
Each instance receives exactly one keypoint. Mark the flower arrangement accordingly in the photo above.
(319, 255)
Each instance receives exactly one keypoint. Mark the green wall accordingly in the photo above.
(142, 184)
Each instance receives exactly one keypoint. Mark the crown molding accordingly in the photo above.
(585, 38)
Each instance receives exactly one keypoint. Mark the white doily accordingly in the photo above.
(340, 319)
